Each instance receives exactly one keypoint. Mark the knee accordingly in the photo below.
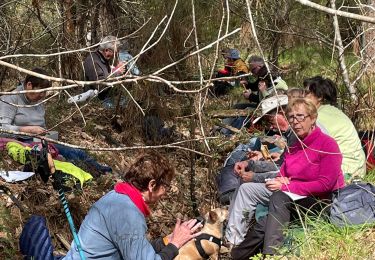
(279, 198)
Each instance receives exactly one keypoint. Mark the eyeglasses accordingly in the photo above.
(299, 117)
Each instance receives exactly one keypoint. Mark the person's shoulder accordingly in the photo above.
(327, 142)
(13, 98)
(116, 203)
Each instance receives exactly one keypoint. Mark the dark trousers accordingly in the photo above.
(267, 234)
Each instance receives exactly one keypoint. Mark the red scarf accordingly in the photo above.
(135, 195)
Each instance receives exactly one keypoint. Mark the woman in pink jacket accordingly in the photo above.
(310, 173)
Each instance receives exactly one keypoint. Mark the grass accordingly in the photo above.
(323, 240)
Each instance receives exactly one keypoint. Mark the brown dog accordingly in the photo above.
(212, 227)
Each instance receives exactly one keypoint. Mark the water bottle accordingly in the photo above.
(83, 96)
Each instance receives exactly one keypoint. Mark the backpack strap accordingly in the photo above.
(208, 237)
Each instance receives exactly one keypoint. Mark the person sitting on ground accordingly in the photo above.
(323, 93)
(255, 171)
(234, 66)
(115, 227)
(311, 169)
(262, 87)
(32, 120)
(97, 65)
(15, 116)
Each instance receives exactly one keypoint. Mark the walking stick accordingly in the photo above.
(46, 168)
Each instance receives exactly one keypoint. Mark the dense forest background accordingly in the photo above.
(177, 47)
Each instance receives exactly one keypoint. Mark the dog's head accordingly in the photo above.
(217, 215)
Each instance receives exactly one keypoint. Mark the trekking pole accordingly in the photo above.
(57, 183)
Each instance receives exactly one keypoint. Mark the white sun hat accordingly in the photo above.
(270, 104)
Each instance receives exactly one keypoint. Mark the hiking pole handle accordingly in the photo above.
(65, 205)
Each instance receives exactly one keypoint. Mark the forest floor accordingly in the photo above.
(193, 189)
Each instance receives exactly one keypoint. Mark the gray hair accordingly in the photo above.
(108, 42)
(256, 59)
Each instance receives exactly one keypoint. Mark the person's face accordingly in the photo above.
(254, 68)
(157, 193)
(277, 121)
(36, 96)
(108, 54)
(301, 122)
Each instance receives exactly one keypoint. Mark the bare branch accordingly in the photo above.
(331, 11)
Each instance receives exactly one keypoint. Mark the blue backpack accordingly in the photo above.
(353, 205)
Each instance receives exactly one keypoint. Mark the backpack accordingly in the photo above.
(353, 205)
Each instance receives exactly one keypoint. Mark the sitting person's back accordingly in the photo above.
(336, 124)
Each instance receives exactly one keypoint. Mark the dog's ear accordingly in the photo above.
(212, 216)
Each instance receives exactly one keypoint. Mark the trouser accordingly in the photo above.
(267, 234)
(242, 209)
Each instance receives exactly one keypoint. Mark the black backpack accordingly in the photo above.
(353, 205)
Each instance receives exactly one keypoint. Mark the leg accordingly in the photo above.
(242, 209)
(280, 207)
(253, 242)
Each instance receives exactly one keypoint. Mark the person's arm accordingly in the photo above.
(262, 176)
(8, 113)
(329, 172)
(164, 251)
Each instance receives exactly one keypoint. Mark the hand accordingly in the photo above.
(240, 167)
(184, 232)
(246, 93)
(33, 129)
(283, 180)
(120, 68)
(275, 156)
(262, 86)
(247, 176)
(273, 185)
(255, 155)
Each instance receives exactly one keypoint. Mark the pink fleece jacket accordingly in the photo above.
(314, 166)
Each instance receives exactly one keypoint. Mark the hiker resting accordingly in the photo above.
(25, 119)
(116, 228)
(262, 87)
(234, 66)
(323, 93)
(32, 120)
(97, 65)
(311, 169)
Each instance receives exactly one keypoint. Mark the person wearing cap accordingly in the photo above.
(97, 65)
(262, 87)
(255, 171)
(234, 66)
